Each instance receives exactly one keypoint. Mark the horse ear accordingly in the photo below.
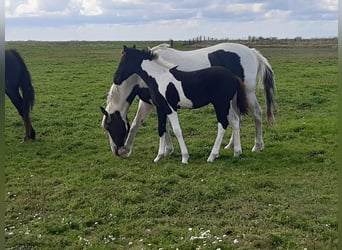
(134, 47)
(124, 47)
(104, 111)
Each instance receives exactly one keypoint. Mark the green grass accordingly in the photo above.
(66, 190)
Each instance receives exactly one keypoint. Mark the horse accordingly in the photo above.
(171, 89)
(18, 79)
(247, 63)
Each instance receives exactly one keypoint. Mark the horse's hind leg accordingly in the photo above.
(30, 133)
(255, 108)
(17, 101)
(234, 120)
(168, 150)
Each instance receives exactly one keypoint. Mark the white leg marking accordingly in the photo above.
(230, 144)
(142, 113)
(168, 142)
(173, 117)
(257, 115)
(216, 148)
(161, 148)
(234, 120)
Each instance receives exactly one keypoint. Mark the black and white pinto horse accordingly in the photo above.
(19, 89)
(171, 89)
(248, 64)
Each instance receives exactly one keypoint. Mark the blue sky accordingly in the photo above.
(63, 20)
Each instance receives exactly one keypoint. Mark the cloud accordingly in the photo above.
(278, 14)
(143, 10)
(35, 8)
(90, 8)
(185, 18)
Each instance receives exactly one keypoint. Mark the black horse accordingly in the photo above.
(19, 89)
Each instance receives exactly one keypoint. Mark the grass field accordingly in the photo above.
(67, 191)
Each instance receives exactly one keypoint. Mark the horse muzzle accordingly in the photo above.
(121, 152)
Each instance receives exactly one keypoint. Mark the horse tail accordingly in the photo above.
(266, 76)
(241, 99)
(25, 85)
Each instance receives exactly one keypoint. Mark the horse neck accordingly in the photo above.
(153, 67)
(119, 96)
(149, 68)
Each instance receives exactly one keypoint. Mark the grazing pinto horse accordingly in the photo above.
(244, 62)
(18, 79)
(171, 89)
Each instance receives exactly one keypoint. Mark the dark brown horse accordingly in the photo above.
(19, 89)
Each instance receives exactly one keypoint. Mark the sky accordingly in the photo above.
(135, 20)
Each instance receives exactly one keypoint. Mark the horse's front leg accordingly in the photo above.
(143, 111)
(216, 148)
(178, 133)
(161, 148)
(162, 119)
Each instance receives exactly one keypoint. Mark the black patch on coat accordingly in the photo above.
(216, 85)
(144, 94)
(229, 60)
(163, 108)
(172, 96)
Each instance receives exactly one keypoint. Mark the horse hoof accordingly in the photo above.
(168, 151)
(258, 148)
(237, 153)
(185, 159)
(33, 134)
(157, 158)
(211, 158)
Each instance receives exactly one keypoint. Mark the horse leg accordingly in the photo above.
(168, 150)
(234, 120)
(17, 101)
(255, 108)
(178, 133)
(162, 119)
(216, 148)
(230, 144)
(161, 148)
(232, 114)
(30, 132)
(144, 109)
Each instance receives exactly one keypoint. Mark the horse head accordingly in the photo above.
(115, 120)
(117, 129)
(130, 63)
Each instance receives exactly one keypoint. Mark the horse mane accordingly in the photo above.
(160, 46)
(158, 59)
